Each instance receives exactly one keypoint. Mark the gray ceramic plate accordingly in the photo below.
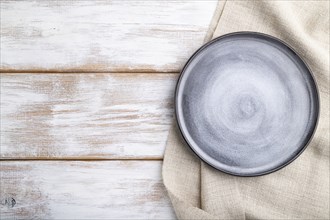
(246, 104)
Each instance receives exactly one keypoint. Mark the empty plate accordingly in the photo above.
(247, 104)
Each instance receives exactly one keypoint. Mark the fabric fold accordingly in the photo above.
(299, 190)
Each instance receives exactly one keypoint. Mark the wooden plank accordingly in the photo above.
(101, 35)
(83, 190)
(85, 116)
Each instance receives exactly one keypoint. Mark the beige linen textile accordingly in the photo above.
(298, 191)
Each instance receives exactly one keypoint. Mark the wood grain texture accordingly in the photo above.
(83, 190)
(101, 36)
(85, 116)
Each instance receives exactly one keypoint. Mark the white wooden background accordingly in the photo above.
(86, 104)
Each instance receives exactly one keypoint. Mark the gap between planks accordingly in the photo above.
(82, 159)
(147, 71)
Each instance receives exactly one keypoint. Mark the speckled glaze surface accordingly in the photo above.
(246, 104)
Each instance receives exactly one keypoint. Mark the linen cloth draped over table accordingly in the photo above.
(299, 190)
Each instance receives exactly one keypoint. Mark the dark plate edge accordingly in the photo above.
(310, 137)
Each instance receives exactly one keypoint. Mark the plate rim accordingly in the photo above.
(260, 34)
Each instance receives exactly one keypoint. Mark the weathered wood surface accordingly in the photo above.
(83, 190)
(101, 35)
(85, 116)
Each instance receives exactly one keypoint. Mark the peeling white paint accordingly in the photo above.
(85, 115)
(102, 35)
